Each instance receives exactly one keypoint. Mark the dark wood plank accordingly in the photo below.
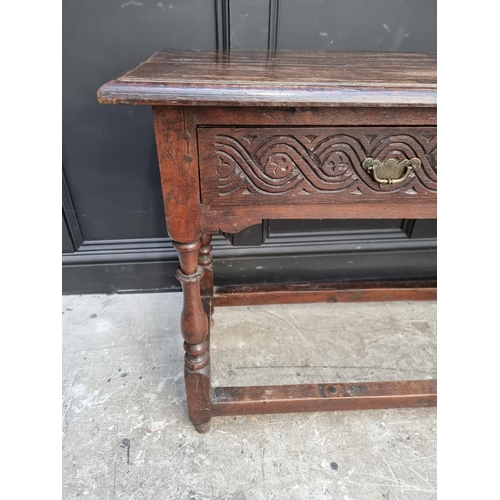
(295, 116)
(287, 67)
(232, 219)
(277, 78)
(323, 397)
(296, 293)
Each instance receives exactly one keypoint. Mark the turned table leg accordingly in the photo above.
(205, 260)
(195, 327)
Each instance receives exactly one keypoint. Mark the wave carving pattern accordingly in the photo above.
(306, 164)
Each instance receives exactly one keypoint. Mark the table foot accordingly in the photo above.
(195, 331)
(203, 428)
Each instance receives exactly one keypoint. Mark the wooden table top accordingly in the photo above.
(277, 78)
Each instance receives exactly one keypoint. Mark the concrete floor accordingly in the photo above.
(126, 434)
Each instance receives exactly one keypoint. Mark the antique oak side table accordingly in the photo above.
(246, 136)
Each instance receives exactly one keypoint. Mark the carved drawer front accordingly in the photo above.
(266, 165)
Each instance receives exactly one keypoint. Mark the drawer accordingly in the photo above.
(304, 165)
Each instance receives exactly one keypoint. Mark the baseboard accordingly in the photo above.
(149, 265)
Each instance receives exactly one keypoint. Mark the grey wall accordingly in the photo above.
(109, 151)
(373, 25)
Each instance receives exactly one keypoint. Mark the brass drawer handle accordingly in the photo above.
(390, 172)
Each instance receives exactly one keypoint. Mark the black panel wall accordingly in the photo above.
(114, 237)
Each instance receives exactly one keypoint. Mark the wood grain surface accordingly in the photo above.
(302, 293)
(323, 397)
(277, 78)
(315, 116)
(175, 134)
(234, 218)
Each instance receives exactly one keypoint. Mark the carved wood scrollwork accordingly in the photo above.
(283, 162)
